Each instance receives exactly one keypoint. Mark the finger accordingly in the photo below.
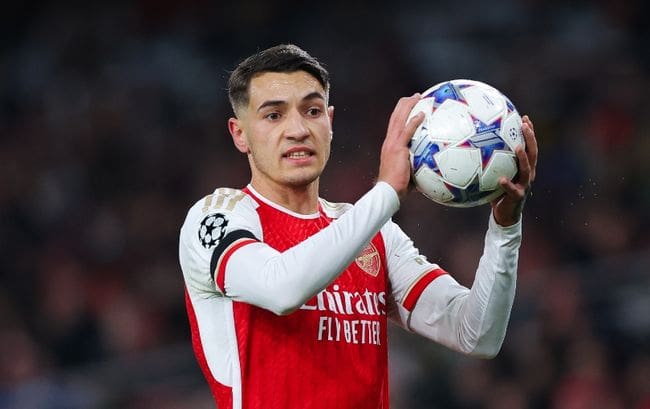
(512, 190)
(531, 146)
(411, 127)
(404, 108)
(529, 135)
(526, 119)
(400, 114)
(524, 167)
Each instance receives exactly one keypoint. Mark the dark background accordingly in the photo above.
(113, 122)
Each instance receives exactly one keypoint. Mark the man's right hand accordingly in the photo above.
(395, 165)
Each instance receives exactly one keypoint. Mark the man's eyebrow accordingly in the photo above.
(314, 95)
(278, 102)
(270, 103)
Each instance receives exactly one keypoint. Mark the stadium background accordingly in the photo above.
(112, 122)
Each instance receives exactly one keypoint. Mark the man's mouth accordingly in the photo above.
(298, 155)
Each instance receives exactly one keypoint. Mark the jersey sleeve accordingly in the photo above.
(469, 320)
(215, 227)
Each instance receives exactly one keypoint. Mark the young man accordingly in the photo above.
(288, 295)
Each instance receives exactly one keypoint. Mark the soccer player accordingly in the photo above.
(288, 295)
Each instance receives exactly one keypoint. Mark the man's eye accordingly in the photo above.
(314, 112)
(273, 116)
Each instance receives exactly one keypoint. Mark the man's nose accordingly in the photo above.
(296, 127)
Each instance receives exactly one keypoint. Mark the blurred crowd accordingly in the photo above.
(113, 122)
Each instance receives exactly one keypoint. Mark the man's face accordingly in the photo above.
(286, 129)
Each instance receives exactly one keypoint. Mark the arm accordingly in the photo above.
(282, 281)
(473, 321)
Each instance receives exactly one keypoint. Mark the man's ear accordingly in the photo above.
(330, 113)
(238, 135)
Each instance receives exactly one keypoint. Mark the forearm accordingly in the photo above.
(473, 321)
(282, 281)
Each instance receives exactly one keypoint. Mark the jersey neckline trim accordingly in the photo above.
(283, 209)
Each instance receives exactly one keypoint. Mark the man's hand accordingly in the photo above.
(507, 208)
(395, 166)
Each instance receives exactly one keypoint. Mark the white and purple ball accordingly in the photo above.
(465, 143)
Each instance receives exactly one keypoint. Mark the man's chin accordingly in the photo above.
(304, 180)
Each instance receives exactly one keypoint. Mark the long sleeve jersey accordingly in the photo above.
(290, 311)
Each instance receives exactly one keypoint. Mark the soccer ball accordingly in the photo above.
(465, 143)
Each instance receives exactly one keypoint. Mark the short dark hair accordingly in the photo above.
(281, 58)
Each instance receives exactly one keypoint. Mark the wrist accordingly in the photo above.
(505, 222)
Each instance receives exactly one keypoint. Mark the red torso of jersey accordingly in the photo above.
(332, 352)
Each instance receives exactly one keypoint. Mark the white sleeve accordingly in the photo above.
(472, 321)
(281, 282)
(223, 213)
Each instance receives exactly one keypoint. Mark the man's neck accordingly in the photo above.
(298, 199)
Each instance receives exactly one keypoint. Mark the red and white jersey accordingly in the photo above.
(332, 351)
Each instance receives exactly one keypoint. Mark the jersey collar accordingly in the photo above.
(257, 196)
